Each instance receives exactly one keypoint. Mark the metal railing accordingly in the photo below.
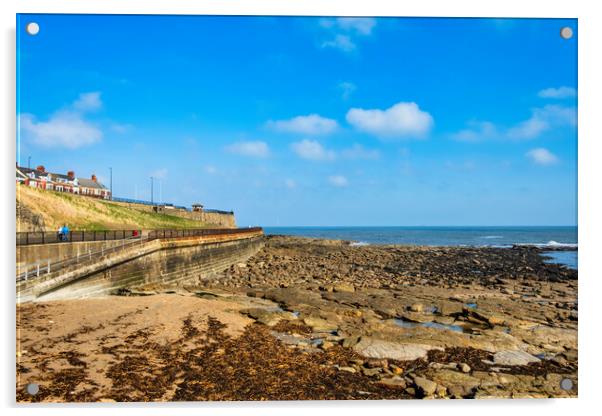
(217, 211)
(48, 237)
(199, 232)
(48, 266)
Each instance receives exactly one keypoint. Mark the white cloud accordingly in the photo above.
(357, 151)
(542, 119)
(210, 169)
(542, 156)
(399, 121)
(257, 149)
(63, 129)
(159, 173)
(347, 88)
(66, 127)
(312, 150)
(121, 128)
(290, 184)
(89, 101)
(359, 25)
(341, 42)
(479, 130)
(338, 180)
(312, 124)
(558, 93)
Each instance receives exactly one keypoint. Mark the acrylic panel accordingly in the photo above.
(225, 208)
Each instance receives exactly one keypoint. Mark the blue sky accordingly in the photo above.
(310, 121)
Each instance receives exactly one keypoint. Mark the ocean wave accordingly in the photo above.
(553, 243)
(550, 243)
(359, 244)
(492, 236)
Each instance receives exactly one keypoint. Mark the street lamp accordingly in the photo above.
(151, 178)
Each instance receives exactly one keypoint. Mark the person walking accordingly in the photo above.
(65, 232)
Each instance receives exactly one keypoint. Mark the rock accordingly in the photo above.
(344, 288)
(326, 345)
(450, 308)
(347, 369)
(267, 317)
(417, 317)
(514, 358)
(396, 370)
(376, 363)
(375, 348)
(417, 307)
(395, 381)
(319, 324)
(350, 341)
(371, 372)
(425, 386)
(465, 368)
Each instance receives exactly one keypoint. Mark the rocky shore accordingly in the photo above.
(318, 319)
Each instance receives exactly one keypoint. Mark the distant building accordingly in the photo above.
(197, 207)
(40, 178)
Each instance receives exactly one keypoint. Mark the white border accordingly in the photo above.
(590, 149)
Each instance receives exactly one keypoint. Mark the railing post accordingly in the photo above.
(38, 270)
(26, 272)
(48, 268)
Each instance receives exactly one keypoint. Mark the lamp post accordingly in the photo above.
(111, 181)
(151, 178)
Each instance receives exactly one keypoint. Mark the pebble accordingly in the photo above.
(465, 368)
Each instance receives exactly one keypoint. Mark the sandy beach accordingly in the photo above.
(317, 319)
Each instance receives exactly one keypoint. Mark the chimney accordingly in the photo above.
(41, 168)
(94, 177)
(71, 174)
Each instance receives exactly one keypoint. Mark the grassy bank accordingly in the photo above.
(39, 210)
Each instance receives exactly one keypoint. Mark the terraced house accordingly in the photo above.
(40, 178)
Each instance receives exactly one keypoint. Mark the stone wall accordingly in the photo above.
(224, 219)
(160, 262)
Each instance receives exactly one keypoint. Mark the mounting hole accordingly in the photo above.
(33, 389)
(32, 28)
(566, 384)
(566, 32)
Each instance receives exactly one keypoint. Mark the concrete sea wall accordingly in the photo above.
(34, 253)
(169, 261)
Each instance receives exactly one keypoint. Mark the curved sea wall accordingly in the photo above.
(162, 261)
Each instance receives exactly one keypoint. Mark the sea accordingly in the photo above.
(492, 236)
